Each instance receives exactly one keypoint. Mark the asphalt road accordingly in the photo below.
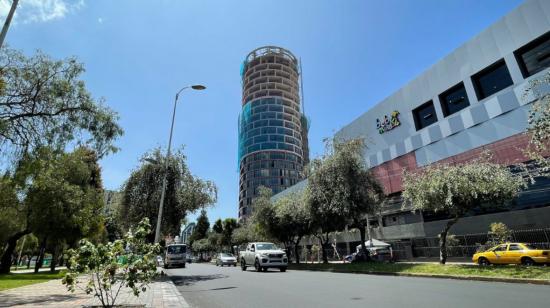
(205, 285)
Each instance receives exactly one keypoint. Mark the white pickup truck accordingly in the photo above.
(262, 256)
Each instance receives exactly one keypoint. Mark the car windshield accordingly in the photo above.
(266, 246)
(176, 249)
(226, 255)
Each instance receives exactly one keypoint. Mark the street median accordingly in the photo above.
(506, 273)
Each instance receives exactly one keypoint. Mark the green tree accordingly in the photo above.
(293, 220)
(184, 192)
(62, 199)
(45, 103)
(218, 226)
(229, 227)
(539, 123)
(262, 218)
(201, 228)
(66, 199)
(243, 234)
(341, 191)
(499, 233)
(216, 241)
(202, 246)
(459, 189)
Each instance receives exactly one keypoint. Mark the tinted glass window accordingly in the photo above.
(515, 247)
(424, 115)
(176, 249)
(492, 79)
(266, 246)
(535, 56)
(454, 99)
(501, 248)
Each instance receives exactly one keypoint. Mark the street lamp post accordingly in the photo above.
(161, 205)
(7, 22)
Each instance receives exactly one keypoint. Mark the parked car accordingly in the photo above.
(175, 255)
(512, 253)
(381, 254)
(263, 255)
(226, 259)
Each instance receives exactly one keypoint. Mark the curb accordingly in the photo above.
(172, 297)
(472, 278)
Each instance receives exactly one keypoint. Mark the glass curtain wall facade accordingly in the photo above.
(272, 128)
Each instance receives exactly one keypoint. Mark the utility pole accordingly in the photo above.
(8, 21)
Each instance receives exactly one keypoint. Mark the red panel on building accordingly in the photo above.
(507, 151)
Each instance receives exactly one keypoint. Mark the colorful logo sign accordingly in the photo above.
(388, 123)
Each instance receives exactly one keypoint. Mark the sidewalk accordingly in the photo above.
(160, 294)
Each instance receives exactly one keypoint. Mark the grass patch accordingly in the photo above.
(10, 281)
(504, 271)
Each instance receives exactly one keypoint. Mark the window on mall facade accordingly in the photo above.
(491, 80)
(535, 56)
(424, 115)
(454, 99)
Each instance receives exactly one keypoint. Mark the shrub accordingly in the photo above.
(129, 262)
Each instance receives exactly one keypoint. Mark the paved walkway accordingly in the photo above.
(160, 294)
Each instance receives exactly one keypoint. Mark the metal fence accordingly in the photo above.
(462, 246)
(467, 245)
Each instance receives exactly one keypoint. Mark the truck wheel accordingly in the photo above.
(283, 269)
(264, 269)
(243, 265)
(257, 266)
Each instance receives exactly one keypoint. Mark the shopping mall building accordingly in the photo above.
(471, 101)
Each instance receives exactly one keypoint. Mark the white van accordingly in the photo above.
(175, 255)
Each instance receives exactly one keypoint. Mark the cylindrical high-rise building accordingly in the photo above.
(272, 127)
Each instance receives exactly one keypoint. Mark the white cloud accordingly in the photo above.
(31, 11)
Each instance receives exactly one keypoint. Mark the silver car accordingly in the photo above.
(226, 259)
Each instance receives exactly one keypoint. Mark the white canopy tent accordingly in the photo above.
(375, 243)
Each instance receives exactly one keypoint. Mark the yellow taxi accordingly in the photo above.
(512, 253)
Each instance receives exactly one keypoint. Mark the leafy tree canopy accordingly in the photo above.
(539, 123)
(201, 228)
(341, 190)
(44, 102)
(218, 226)
(59, 196)
(184, 192)
(458, 189)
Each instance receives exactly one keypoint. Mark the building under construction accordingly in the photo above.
(273, 144)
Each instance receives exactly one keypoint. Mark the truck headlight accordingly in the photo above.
(264, 255)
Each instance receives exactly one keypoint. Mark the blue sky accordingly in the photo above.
(139, 53)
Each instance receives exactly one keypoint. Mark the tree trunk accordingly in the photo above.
(7, 256)
(362, 235)
(443, 240)
(297, 250)
(54, 259)
(40, 260)
(29, 261)
(324, 247)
